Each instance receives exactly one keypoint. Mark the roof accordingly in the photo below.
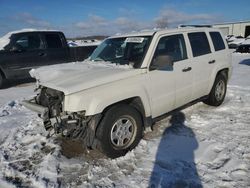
(237, 22)
(193, 25)
(28, 30)
(141, 33)
(4, 40)
(163, 31)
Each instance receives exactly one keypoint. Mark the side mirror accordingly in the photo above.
(162, 62)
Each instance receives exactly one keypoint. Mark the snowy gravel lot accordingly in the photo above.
(201, 146)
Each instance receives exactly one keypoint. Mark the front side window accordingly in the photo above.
(28, 42)
(53, 41)
(217, 41)
(172, 46)
(199, 43)
(124, 50)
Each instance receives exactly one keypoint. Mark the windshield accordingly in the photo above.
(125, 50)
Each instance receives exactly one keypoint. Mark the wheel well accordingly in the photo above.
(224, 72)
(134, 102)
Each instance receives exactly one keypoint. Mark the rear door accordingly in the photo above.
(202, 63)
(56, 48)
(30, 54)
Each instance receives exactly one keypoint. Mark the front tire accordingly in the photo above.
(218, 92)
(119, 131)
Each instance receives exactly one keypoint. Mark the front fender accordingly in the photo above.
(95, 100)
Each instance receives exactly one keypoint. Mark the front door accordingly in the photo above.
(170, 86)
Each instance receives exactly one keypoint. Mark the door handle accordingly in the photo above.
(187, 69)
(42, 54)
(211, 62)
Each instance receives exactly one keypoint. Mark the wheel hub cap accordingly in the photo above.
(122, 132)
(220, 90)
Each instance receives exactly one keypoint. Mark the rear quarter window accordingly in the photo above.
(217, 41)
(199, 43)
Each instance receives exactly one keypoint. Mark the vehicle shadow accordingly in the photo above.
(174, 164)
(245, 62)
(17, 83)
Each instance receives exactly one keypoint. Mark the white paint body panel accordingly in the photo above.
(93, 88)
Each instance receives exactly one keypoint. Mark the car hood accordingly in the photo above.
(73, 77)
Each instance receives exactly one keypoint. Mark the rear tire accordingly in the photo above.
(218, 92)
(119, 131)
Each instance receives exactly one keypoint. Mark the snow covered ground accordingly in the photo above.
(201, 146)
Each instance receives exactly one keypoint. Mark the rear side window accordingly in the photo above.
(173, 46)
(199, 43)
(53, 41)
(217, 41)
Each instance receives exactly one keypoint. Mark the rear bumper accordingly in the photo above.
(41, 110)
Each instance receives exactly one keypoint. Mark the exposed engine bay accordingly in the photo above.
(52, 99)
(74, 125)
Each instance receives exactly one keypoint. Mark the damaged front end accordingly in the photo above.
(75, 125)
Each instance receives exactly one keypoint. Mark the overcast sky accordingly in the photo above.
(93, 17)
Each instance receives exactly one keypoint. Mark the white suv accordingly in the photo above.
(108, 100)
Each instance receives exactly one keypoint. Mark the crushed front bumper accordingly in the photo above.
(73, 125)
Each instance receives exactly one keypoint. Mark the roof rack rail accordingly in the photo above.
(180, 26)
